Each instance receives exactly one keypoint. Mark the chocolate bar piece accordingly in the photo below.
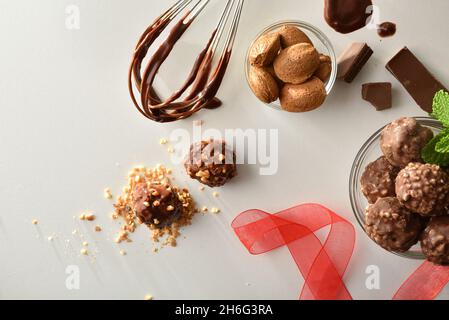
(352, 60)
(378, 94)
(415, 78)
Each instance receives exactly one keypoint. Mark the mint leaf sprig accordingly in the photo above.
(437, 150)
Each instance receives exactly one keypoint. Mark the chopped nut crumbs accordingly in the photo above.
(215, 210)
(215, 194)
(148, 297)
(84, 252)
(163, 141)
(124, 205)
(98, 229)
(122, 252)
(204, 209)
(34, 221)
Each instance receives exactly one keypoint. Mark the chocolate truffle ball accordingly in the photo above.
(211, 163)
(156, 204)
(403, 140)
(378, 180)
(391, 225)
(435, 240)
(423, 188)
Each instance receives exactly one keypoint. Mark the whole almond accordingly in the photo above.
(291, 35)
(263, 85)
(265, 49)
(297, 63)
(303, 97)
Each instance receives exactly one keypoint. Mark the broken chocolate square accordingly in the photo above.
(378, 94)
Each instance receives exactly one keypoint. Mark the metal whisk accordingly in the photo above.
(203, 80)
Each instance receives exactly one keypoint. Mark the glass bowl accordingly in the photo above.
(369, 152)
(320, 41)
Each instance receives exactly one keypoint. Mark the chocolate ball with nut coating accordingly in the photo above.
(391, 225)
(423, 188)
(211, 162)
(403, 140)
(435, 240)
(378, 180)
(156, 205)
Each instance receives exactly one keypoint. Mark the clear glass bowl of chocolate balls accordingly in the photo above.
(401, 202)
(291, 66)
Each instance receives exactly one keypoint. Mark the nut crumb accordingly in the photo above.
(215, 194)
(204, 209)
(170, 150)
(34, 221)
(84, 252)
(122, 236)
(201, 188)
(90, 217)
(148, 297)
(215, 210)
(87, 216)
(85, 244)
(98, 229)
(107, 193)
(50, 238)
(163, 141)
(122, 252)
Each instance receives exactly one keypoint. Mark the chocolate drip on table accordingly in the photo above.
(347, 16)
(386, 29)
(203, 87)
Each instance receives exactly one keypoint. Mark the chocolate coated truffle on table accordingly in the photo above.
(156, 204)
(378, 180)
(403, 140)
(211, 163)
(423, 188)
(391, 225)
(435, 240)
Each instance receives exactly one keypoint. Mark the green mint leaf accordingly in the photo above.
(441, 107)
(430, 155)
(442, 145)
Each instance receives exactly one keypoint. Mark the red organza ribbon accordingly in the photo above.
(321, 265)
(425, 283)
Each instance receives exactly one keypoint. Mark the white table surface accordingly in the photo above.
(68, 130)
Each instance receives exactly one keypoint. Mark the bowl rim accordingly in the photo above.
(356, 168)
(302, 25)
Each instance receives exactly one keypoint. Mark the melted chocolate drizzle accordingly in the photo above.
(203, 85)
(347, 16)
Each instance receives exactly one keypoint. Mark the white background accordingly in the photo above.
(68, 130)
